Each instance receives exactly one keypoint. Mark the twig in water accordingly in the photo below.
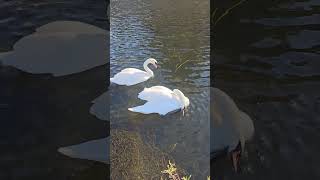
(214, 14)
(227, 11)
(180, 65)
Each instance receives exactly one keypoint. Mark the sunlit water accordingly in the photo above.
(266, 57)
(173, 32)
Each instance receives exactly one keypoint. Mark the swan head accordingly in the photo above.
(152, 61)
(183, 99)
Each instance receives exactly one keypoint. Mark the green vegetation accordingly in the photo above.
(171, 171)
(186, 178)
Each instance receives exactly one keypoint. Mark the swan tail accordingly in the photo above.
(134, 109)
(131, 109)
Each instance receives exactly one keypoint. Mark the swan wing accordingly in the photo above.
(130, 76)
(131, 70)
(156, 93)
(160, 107)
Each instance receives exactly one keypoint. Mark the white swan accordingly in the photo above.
(132, 76)
(60, 48)
(161, 100)
(230, 127)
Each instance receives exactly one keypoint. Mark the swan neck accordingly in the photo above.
(148, 70)
(183, 103)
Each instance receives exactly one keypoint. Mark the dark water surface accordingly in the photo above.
(173, 32)
(266, 57)
(40, 113)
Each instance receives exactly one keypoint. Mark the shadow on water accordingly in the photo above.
(265, 56)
